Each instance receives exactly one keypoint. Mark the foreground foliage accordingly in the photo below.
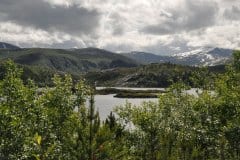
(54, 123)
(49, 123)
(183, 126)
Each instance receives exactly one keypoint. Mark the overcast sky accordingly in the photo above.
(157, 26)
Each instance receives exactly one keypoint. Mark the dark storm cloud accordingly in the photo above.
(233, 13)
(42, 15)
(195, 15)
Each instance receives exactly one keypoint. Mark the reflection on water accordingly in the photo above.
(106, 103)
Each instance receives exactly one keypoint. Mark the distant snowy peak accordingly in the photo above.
(204, 56)
(194, 52)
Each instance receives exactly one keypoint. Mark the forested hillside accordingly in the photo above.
(73, 61)
(102, 68)
(151, 75)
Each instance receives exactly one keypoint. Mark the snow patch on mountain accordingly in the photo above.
(195, 52)
(204, 56)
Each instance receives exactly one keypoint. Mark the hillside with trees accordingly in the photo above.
(152, 75)
(73, 61)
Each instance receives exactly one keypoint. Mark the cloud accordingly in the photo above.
(176, 45)
(31, 37)
(233, 13)
(158, 26)
(227, 36)
(71, 19)
(191, 16)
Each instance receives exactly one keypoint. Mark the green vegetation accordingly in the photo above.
(74, 61)
(152, 75)
(42, 76)
(55, 124)
(136, 95)
(126, 93)
(58, 125)
(182, 126)
(96, 65)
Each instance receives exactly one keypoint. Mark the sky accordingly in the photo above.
(158, 26)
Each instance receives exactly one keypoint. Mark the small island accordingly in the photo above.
(128, 93)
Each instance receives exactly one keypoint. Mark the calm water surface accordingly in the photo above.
(106, 103)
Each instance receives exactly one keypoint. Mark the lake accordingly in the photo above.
(106, 103)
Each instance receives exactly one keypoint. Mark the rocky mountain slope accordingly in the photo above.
(198, 57)
(204, 57)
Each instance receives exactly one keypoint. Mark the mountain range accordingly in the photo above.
(135, 69)
(74, 61)
(87, 59)
(199, 57)
(4, 45)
